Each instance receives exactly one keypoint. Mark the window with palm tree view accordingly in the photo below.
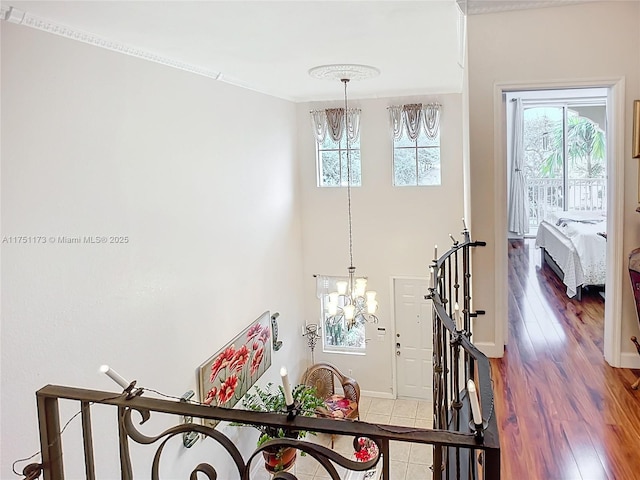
(564, 159)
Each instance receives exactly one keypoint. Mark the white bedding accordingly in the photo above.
(573, 241)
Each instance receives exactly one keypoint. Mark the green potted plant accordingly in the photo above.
(271, 399)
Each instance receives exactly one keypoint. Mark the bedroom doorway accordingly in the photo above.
(615, 121)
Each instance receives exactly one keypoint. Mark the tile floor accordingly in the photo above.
(408, 461)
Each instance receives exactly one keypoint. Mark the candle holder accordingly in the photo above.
(311, 332)
(478, 430)
(132, 391)
(293, 410)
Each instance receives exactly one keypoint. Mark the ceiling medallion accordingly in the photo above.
(340, 71)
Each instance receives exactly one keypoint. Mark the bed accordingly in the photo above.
(573, 244)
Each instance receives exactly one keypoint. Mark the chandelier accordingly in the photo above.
(352, 303)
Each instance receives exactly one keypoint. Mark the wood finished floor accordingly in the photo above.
(563, 412)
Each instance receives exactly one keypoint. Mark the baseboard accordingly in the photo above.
(629, 360)
(490, 349)
(369, 393)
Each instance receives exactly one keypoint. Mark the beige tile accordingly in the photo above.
(363, 405)
(421, 453)
(306, 465)
(424, 410)
(378, 418)
(346, 450)
(399, 451)
(423, 423)
(323, 439)
(397, 470)
(343, 444)
(322, 474)
(402, 421)
(405, 408)
(417, 472)
(381, 406)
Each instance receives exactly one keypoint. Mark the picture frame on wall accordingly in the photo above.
(228, 374)
(636, 130)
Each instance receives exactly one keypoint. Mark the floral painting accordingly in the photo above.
(226, 376)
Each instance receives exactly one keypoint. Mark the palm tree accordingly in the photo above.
(586, 149)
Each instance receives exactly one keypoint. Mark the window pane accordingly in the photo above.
(416, 163)
(337, 336)
(404, 142)
(424, 141)
(330, 165)
(329, 143)
(404, 167)
(356, 176)
(428, 166)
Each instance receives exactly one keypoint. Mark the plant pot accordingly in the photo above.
(279, 460)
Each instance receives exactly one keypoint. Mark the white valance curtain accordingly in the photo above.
(411, 117)
(331, 121)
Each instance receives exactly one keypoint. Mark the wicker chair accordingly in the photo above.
(323, 377)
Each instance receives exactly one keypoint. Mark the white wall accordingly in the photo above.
(394, 228)
(572, 43)
(98, 143)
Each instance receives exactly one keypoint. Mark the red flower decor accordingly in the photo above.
(367, 450)
(227, 389)
(231, 368)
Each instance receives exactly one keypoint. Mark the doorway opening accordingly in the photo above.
(614, 138)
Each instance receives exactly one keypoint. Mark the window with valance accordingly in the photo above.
(333, 136)
(415, 129)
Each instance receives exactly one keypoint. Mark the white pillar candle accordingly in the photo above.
(473, 399)
(464, 224)
(435, 252)
(113, 375)
(286, 387)
(431, 278)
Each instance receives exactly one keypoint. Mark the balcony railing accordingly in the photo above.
(462, 450)
(547, 195)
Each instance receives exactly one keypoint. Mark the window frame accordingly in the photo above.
(339, 349)
(342, 152)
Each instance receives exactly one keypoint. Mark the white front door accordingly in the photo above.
(413, 344)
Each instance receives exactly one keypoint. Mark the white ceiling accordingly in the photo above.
(270, 46)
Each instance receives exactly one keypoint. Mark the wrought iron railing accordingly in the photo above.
(456, 361)
(548, 195)
(462, 450)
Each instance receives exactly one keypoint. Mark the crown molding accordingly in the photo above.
(13, 15)
(19, 17)
(479, 7)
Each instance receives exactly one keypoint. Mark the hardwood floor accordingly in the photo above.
(563, 412)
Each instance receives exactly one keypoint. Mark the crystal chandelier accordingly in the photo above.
(352, 303)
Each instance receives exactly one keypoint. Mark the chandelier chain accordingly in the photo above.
(346, 132)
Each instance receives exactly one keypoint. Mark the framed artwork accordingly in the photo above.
(225, 377)
(636, 130)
